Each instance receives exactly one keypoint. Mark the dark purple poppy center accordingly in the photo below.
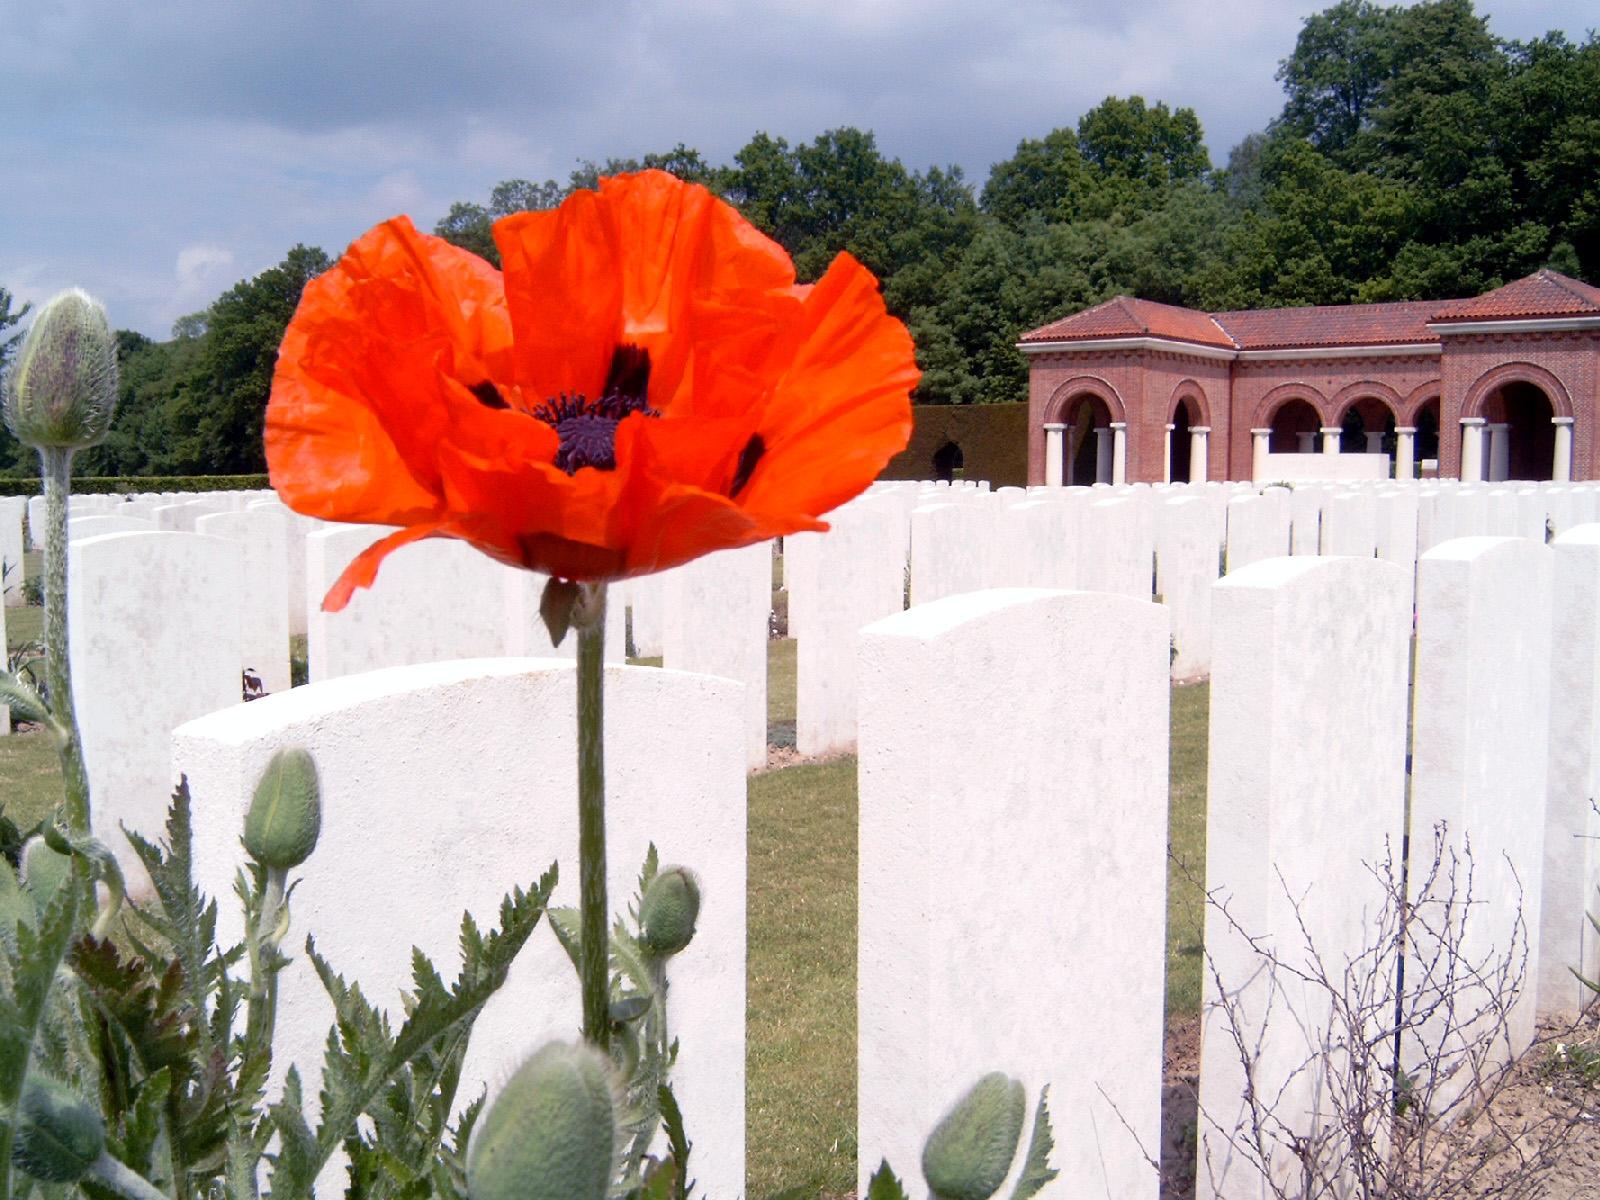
(588, 428)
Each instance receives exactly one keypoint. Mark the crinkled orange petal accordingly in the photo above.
(370, 368)
(841, 405)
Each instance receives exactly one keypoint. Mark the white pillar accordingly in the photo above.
(1561, 469)
(1199, 457)
(1260, 447)
(1053, 459)
(1499, 452)
(1471, 449)
(1102, 456)
(1374, 442)
(1405, 451)
(1330, 439)
(1166, 459)
(1308, 442)
(1119, 452)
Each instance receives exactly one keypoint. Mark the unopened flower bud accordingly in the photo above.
(969, 1153)
(59, 1134)
(285, 815)
(668, 911)
(62, 389)
(43, 870)
(551, 1133)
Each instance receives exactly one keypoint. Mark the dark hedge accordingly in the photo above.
(992, 438)
(128, 484)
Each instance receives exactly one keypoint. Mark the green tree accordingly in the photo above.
(1046, 177)
(1341, 62)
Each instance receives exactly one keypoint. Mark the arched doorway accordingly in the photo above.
(1521, 435)
(948, 462)
(1180, 449)
(1088, 440)
(1368, 428)
(1295, 426)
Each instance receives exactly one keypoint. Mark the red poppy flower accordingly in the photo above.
(644, 384)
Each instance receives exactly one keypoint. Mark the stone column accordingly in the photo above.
(1260, 447)
(1199, 457)
(1499, 452)
(1119, 452)
(1166, 459)
(1308, 442)
(1102, 456)
(1561, 469)
(1053, 457)
(1374, 442)
(1471, 449)
(1330, 439)
(1405, 451)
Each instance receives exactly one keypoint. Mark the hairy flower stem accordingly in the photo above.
(595, 967)
(56, 466)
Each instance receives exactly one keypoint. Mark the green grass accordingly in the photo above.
(24, 625)
(1186, 840)
(30, 777)
(780, 680)
(800, 1099)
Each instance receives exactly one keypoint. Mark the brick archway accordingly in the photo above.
(1064, 398)
(1496, 378)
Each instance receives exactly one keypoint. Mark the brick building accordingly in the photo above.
(1502, 386)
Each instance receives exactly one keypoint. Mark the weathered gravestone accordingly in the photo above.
(1305, 795)
(446, 785)
(1010, 872)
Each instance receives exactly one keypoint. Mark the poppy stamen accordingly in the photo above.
(588, 428)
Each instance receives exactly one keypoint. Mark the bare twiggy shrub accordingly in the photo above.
(1413, 1041)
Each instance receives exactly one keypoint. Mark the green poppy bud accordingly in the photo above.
(668, 911)
(969, 1153)
(59, 1135)
(43, 870)
(62, 389)
(285, 815)
(551, 1133)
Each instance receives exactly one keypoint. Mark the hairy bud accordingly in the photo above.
(59, 1135)
(62, 389)
(285, 815)
(969, 1153)
(668, 911)
(551, 1133)
(43, 869)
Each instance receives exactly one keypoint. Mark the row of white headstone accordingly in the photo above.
(1013, 797)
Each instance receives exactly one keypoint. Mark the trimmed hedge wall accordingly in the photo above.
(992, 438)
(128, 484)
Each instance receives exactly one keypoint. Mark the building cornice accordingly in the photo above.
(1303, 353)
(1221, 353)
(1530, 325)
(1158, 344)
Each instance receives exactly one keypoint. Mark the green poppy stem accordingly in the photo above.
(595, 965)
(56, 465)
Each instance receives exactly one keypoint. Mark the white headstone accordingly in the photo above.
(1480, 752)
(527, 636)
(841, 580)
(263, 601)
(1188, 556)
(716, 613)
(990, 829)
(446, 785)
(1306, 791)
(1350, 524)
(13, 509)
(1567, 940)
(950, 549)
(154, 644)
(1258, 528)
(1119, 550)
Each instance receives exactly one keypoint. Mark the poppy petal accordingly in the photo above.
(363, 568)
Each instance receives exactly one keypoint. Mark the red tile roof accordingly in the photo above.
(1128, 317)
(1544, 294)
(1330, 325)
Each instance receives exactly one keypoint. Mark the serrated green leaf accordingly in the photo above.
(38, 955)
(565, 923)
(885, 1185)
(1036, 1169)
(677, 1141)
(141, 1124)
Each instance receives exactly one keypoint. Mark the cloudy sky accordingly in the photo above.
(157, 151)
